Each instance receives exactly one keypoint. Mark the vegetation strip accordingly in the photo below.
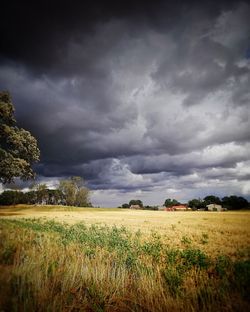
(83, 260)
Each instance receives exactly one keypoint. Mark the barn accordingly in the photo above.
(214, 207)
(179, 208)
(176, 208)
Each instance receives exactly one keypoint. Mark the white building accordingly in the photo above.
(214, 207)
(135, 207)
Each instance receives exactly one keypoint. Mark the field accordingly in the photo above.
(89, 259)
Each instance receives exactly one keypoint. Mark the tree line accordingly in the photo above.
(231, 202)
(70, 192)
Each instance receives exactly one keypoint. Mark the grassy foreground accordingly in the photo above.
(50, 266)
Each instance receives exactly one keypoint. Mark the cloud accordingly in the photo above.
(140, 100)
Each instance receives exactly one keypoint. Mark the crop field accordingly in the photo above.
(93, 259)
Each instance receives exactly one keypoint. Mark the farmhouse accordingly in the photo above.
(176, 208)
(179, 208)
(135, 207)
(214, 207)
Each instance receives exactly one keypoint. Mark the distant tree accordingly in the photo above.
(74, 191)
(55, 197)
(171, 202)
(125, 205)
(41, 193)
(68, 189)
(150, 207)
(9, 197)
(82, 197)
(136, 202)
(31, 197)
(196, 203)
(211, 199)
(234, 202)
(18, 148)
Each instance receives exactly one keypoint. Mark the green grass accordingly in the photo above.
(50, 266)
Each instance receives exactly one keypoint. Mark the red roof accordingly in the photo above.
(179, 206)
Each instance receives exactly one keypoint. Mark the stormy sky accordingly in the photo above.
(144, 99)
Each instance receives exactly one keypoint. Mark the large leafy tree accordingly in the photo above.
(18, 148)
(74, 191)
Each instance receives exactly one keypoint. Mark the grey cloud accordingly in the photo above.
(139, 101)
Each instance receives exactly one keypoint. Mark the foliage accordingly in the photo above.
(171, 202)
(234, 202)
(18, 148)
(211, 199)
(54, 266)
(11, 198)
(48, 197)
(230, 202)
(147, 207)
(136, 202)
(74, 191)
(196, 204)
(40, 194)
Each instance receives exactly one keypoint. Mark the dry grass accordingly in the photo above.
(192, 261)
(213, 232)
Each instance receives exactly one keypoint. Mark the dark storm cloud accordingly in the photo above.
(138, 96)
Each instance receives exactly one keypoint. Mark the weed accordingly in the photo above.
(60, 267)
(186, 240)
(204, 238)
(173, 227)
(194, 257)
(242, 277)
(174, 279)
(7, 254)
(223, 264)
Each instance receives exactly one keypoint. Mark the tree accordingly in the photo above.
(125, 205)
(82, 197)
(196, 204)
(136, 202)
(74, 191)
(234, 202)
(211, 199)
(171, 202)
(9, 197)
(55, 197)
(18, 148)
(68, 190)
(41, 193)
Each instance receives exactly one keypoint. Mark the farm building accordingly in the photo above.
(176, 208)
(135, 207)
(214, 207)
(179, 208)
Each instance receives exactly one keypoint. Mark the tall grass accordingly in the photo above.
(49, 266)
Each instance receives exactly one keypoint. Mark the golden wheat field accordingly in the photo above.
(96, 259)
(225, 231)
